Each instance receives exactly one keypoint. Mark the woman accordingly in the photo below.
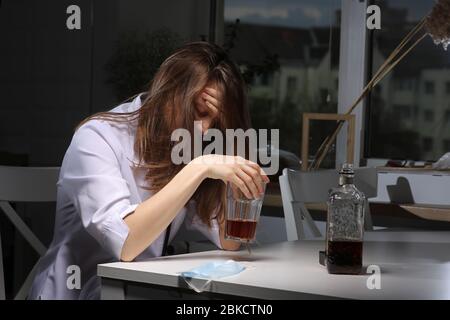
(119, 191)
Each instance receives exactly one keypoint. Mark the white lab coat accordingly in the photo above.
(97, 188)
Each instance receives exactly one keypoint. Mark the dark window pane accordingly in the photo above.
(284, 49)
(429, 87)
(407, 112)
(447, 116)
(428, 115)
(291, 83)
(446, 146)
(427, 144)
(403, 111)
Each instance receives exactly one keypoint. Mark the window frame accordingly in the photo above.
(353, 70)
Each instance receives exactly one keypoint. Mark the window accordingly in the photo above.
(428, 115)
(446, 146)
(324, 95)
(429, 87)
(404, 84)
(427, 144)
(408, 106)
(403, 111)
(291, 83)
(415, 111)
(288, 42)
(291, 88)
(266, 79)
(447, 116)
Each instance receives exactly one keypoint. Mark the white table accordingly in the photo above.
(414, 265)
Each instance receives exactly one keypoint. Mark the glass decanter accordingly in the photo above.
(345, 225)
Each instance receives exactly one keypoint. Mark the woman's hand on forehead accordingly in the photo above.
(212, 99)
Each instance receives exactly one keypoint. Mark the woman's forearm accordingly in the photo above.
(152, 216)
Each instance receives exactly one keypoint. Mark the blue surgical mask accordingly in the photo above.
(211, 271)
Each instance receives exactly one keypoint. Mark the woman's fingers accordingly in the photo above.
(212, 107)
(241, 185)
(210, 99)
(213, 92)
(256, 176)
(261, 172)
(250, 183)
(264, 176)
(244, 175)
(235, 191)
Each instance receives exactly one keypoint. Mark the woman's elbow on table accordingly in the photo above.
(127, 257)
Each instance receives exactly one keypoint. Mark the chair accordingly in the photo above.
(298, 188)
(25, 184)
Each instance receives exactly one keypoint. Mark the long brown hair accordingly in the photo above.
(170, 104)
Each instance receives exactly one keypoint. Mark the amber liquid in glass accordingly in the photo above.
(344, 257)
(242, 229)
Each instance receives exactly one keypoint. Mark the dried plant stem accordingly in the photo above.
(392, 60)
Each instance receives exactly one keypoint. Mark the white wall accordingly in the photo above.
(419, 188)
